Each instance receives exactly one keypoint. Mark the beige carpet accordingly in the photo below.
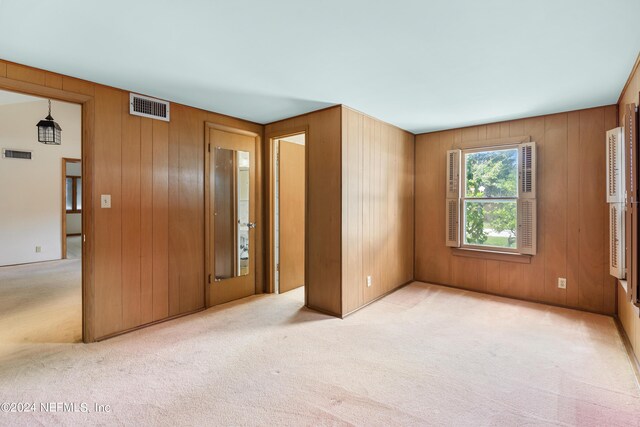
(74, 247)
(40, 303)
(425, 355)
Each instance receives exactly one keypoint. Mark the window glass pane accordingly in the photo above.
(492, 173)
(69, 195)
(79, 194)
(490, 223)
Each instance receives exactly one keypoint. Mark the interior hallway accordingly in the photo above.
(40, 303)
(422, 355)
(74, 247)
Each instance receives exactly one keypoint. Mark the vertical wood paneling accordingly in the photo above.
(131, 218)
(554, 207)
(493, 276)
(146, 224)
(191, 228)
(573, 209)
(88, 247)
(572, 225)
(3, 69)
(324, 210)
(511, 279)
(160, 220)
(493, 131)
(378, 211)
(351, 222)
(386, 143)
(324, 204)
(367, 208)
(352, 208)
(392, 210)
(426, 178)
(175, 235)
(108, 222)
(186, 228)
(408, 224)
(592, 220)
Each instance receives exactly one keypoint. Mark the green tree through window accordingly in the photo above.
(490, 193)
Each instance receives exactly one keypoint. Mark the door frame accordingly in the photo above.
(259, 282)
(271, 138)
(87, 103)
(65, 161)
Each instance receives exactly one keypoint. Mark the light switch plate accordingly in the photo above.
(369, 281)
(105, 201)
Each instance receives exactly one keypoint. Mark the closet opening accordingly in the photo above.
(287, 213)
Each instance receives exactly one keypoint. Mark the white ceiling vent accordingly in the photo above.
(16, 154)
(140, 105)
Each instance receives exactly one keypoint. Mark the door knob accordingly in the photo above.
(251, 224)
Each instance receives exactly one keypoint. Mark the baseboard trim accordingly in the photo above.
(633, 360)
(320, 310)
(533, 301)
(379, 298)
(38, 262)
(146, 325)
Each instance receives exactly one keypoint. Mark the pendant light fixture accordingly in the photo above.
(49, 132)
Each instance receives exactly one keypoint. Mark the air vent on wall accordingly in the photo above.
(16, 154)
(140, 105)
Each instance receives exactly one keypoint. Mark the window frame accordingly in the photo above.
(74, 194)
(463, 198)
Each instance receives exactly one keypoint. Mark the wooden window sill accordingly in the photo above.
(495, 256)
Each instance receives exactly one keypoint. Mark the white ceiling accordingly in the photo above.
(422, 65)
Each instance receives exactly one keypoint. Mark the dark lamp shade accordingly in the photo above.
(49, 132)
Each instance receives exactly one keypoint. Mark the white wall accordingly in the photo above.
(31, 190)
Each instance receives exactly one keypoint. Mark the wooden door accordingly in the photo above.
(232, 213)
(291, 214)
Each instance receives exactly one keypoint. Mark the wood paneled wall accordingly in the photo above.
(359, 206)
(323, 157)
(144, 260)
(627, 312)
(377, 208)
(572, 213)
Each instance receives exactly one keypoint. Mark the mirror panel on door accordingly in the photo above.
(231, 213)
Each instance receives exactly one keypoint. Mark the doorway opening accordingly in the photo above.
(288, 212)
(71, 208)
(40, 267)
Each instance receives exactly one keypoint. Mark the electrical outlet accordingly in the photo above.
(369, 281)
(105, 201)
(38, 249)
(562, 283)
